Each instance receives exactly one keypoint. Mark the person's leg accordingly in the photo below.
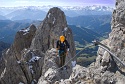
(64, 56)
(61, 61)
(61, 58)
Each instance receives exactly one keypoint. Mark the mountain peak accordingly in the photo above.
(55, 25)
(17, 13)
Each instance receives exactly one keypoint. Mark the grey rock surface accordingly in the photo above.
(14, 69)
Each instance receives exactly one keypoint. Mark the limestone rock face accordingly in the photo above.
(109, 70)
(116, 38)
(19, 63)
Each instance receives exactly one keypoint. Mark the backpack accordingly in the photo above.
(62, 46)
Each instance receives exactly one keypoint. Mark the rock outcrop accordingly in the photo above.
(116, 38)
(32, 56)
(114, 71)
(15, 67)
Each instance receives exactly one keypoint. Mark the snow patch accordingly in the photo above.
(26, 31)
(25, 49)
(2, 74)
(49, 72)
(31, 69)
(21, 83)
(73, 63)
(54, 20)
(34, 58)
(30, 66)
(62, 80)
(34, 81)
(49, 15)
(18, 62)
(7, 51)
(93, 8)
(65, 29)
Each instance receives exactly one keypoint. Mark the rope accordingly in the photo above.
(74, 56)
(112, 55)
(107, 49)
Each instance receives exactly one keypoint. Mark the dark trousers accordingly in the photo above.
(62, 55)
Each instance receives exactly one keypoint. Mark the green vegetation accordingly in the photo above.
(77, 44)
(84, 61)
(87, 56)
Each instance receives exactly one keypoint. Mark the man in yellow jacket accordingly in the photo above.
(62, 49)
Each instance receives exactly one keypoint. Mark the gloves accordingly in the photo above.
(68, 49)
(58, 56)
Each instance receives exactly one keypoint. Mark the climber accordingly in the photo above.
(62, 49)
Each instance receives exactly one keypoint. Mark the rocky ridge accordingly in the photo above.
(32, 55)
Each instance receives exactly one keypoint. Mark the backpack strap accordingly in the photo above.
(59, 44)
(63, 42)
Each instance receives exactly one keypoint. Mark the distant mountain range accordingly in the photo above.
(38, 13)
(83, 35)
(2, 17)
(9, 28)
(98, 23)
(26, 14)
(1, 13)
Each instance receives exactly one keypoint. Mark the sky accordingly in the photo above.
(14, 3)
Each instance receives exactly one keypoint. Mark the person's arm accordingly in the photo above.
(68, 46)
(57, 44)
